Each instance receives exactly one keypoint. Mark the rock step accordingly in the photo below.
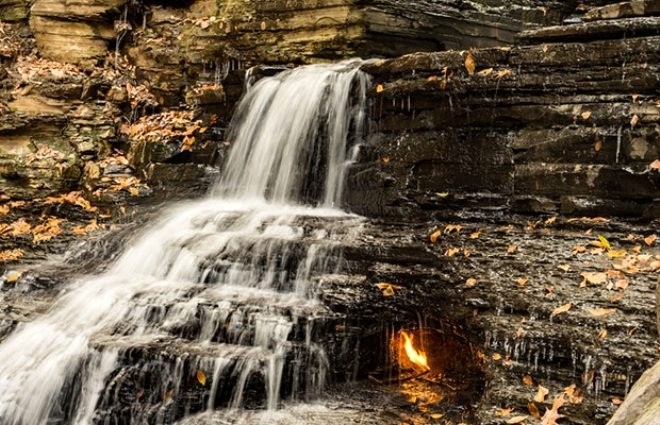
(162, 376)
(594, 30)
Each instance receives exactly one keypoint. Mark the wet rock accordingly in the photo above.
(531, 126)
(13, 10)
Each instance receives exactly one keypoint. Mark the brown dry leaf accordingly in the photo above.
(519, 332)
(541, 394)
(470, 64)
(602, 312)
(18, 228)
(517, 420)
(4, 209)
(527, 380)
(47, 231)
(10, 255)
(467, 252)
(83, 230)
(579, 249)
(475, 235)
(586, 115)
(616, 253)
(485, 72)
(388, 289)
(560, 310)
(451, 252)
(13, 276)
(511, 249)
(637, 249)
(134, 191)
(471, 282)
(73, 198)
(616, 401)
(573, 392)
(533, 410)
(634, 120)
(502, 413)
(385, 159)
(602, 334)
(503, 72)
(433, 237)
(622, 284)
(201, 377)
(618, 297)
(551, 220)
(655, 165)
(379, 88)
(564, 267)
(598, 145)
(497, 357)
(453, 228)
(650, 240)
(522, 281)
(551, 416)
(595, 278)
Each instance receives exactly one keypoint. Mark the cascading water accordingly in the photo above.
(220, 289)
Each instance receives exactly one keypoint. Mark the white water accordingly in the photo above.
(239, 266)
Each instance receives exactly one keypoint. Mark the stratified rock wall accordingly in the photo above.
(550, 127)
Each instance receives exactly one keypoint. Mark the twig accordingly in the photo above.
(397, 378)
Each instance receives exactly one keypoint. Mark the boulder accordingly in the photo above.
(642, 405)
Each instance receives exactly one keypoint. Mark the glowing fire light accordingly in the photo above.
(417, 358)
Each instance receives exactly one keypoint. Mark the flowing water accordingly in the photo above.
(218, 293)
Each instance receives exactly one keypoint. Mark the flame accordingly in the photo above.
(417, 358)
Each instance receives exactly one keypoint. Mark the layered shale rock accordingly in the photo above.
(567, 127)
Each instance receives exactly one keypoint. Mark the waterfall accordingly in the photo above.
(220, 289)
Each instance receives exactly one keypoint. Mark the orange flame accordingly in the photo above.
(417, 358)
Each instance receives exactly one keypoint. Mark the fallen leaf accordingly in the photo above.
(503, 412)
(595, 278)
(201, 377)
(617, 253)
(467, 252)
(655, 165)
(602, 312)
(385, 159)
(618, 297)
(552, 415)
(650, 240)
(551, 220)
(602, 334)
(604, 243)
(442, 194)
(616, 401)
(598, 145)
(470, 64)
(564, 267)
(541, 394)
(573, 393)
(475, 235)
(560, 310)
(13, 276)
(517, 420)
(4, 209)
(497, 357)
(585, 115)
(634, 120)
(10, 255)
(511, 249)
(388, 289)
(622, 284)
(522, 281)
(453, 228)
(433, 237)
(485, 72)
(451, 252)
(379, 88)
(527, 380)
(579, 249)
(533, 410)
(471, 282)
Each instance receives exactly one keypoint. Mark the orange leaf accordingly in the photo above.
(541, 394)
(434, 236)
(471, 282)
(201, 377)
(561, 310)
(602, 312)
(470, 64)
(650, 240)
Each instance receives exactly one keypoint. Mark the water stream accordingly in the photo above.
(218, 292)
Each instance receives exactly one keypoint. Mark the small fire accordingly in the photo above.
(417, 358)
